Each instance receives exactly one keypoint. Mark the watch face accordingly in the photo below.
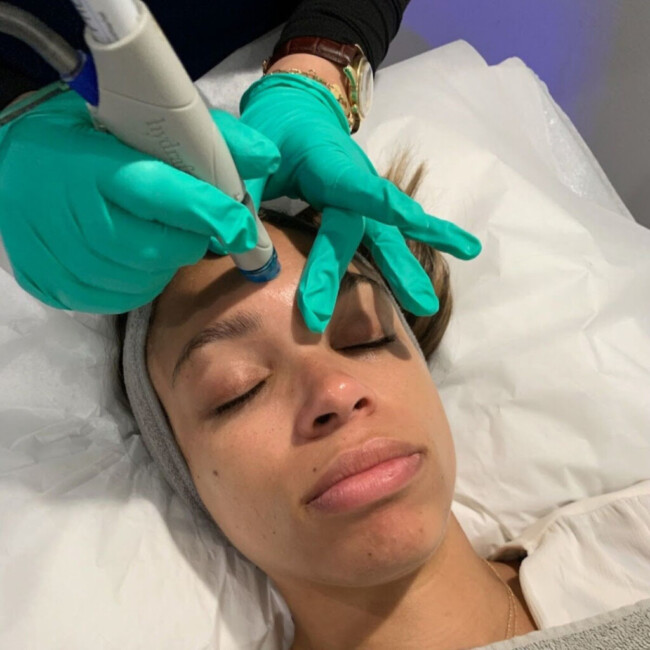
(365, 88)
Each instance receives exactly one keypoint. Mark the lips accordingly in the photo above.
(354, 461)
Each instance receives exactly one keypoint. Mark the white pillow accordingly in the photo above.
(543, 373)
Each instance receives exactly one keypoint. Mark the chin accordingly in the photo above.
(371, 566)
(392, 542)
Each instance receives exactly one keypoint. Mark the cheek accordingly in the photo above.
(407, 384)
(238, 475)
(443, 443)
(415, 397)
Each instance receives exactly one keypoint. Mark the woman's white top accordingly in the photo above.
(585, 558)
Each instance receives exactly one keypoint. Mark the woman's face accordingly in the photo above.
(309, 398)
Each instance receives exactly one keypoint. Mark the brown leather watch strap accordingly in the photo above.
(340, 53)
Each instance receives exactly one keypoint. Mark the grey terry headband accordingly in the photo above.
(148, 411)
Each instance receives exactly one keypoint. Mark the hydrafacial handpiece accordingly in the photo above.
(148, 101)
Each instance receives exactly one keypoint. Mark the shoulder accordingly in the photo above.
(584, 558)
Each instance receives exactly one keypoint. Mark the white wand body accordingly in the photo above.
(147, 100)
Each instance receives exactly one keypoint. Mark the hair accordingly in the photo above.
(428, 330)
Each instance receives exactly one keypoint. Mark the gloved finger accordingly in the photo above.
(96, 269)
(63, 290)
(337, 240)
(379, 199)
(255, 188)
(96, 301)
(31, 288)
(155, 191)
(216, 247)
(254, 154)
(67, 106)
(149, 246)
(409, 282)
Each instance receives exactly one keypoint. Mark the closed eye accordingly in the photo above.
(238, 401)
(378, 343)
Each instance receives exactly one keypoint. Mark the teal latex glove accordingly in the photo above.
(321, 164)
(93, 225)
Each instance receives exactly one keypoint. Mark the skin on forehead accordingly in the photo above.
(191, 296)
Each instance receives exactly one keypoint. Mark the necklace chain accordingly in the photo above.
(512, 610)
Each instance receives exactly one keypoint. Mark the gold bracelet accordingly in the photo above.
(333, 88)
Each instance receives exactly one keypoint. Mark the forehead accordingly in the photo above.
(213, 279)
(213, 285)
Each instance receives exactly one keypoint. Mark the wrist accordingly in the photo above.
(345, 66)
(327, 70)
(30, 100)
(19, 98)
(280, 99)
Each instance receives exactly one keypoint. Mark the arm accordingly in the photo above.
(370, 23)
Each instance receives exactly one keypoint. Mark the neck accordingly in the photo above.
(451, 601)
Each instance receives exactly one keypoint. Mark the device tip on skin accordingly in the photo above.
(267, 272)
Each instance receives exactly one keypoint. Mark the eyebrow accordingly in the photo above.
(243, 323)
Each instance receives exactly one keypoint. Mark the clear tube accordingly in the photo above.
(108, 20)
(29, 29)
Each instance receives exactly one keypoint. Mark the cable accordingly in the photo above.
(35, 33)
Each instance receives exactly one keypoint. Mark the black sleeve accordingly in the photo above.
(370, 23)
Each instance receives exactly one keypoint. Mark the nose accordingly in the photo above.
(332, 399)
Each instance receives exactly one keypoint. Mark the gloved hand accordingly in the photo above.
(338, 238)
(322, 165)
(93, 225)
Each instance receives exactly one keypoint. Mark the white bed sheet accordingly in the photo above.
(544, 374)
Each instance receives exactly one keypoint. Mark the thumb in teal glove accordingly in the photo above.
(93, 225)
